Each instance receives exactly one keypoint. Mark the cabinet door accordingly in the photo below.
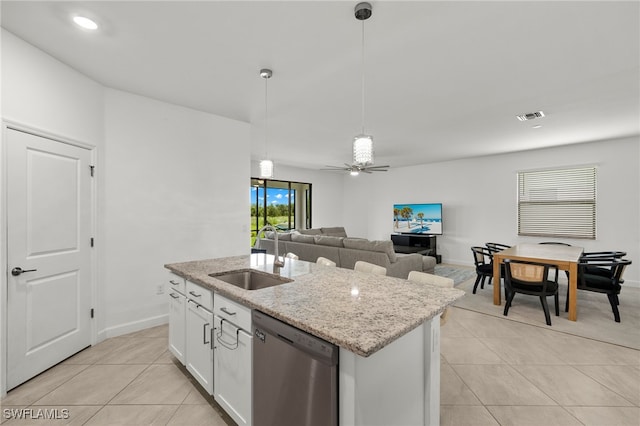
(177, 321)
(233, 370)
(199, 345)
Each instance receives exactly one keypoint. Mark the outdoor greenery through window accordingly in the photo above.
(284, 205)
(557, 203)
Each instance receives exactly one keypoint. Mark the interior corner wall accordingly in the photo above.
(176, 185)
(170, 181)
(326, 191)
(479, 197)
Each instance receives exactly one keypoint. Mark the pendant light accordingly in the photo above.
(363, 143)
(266, 165)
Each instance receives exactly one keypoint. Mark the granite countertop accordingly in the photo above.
(359, 312)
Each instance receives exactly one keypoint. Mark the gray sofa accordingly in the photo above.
(333, 244)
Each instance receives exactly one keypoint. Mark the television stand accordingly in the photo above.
(421, 244)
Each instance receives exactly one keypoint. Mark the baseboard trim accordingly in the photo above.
(133, 326)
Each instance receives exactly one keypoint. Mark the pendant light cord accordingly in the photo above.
(363, 76)
(266, 119)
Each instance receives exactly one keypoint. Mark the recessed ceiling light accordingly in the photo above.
(85, 22)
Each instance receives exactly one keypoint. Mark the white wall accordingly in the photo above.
(169, 188)
(177, 189)
(326, 190)
(479, 198)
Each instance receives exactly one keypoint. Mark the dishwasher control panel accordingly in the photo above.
(266, 327)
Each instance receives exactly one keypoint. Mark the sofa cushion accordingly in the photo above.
(311, 231)
(378, 246)
(302, 238)
(336, 231)
(285, 236)
(325, 240)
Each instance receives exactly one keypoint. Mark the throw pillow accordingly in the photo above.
(310, 231)
(336, 231)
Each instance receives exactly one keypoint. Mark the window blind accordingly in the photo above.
(557, 203)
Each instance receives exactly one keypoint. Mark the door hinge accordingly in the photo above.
(91, 241)
(92, 168)
(91, 312)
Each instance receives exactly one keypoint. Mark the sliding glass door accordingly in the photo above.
(282, 204)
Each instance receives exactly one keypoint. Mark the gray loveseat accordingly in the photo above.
(333, 244)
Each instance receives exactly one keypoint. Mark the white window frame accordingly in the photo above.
(557, 203)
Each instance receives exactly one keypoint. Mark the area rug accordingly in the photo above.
(595, 319)
(459, 274)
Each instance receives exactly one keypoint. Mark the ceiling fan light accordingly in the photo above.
(363, 150)
(266, 169)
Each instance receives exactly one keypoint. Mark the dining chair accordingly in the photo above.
(530, 278)
(483, 260)
(362, 266)
(291, 256)
(324, 261)
(434, 280)
(496, 247)
(590, 267)
(558, 243)
(609, 284)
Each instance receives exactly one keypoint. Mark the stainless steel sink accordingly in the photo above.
(250, 279)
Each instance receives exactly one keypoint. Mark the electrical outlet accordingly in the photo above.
(160, 289)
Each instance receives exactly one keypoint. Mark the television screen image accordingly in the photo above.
(417, 219)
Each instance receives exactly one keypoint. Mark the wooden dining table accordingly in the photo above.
(565, 258)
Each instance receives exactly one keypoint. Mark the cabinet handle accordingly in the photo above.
(173, 282)
(226, 311)
(229, 345)
(175, 296)
(211, 337)
(204, 334)
(194, 294)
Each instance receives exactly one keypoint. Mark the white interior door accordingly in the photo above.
(48, 236)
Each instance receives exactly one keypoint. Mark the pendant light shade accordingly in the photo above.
(363, 150)
(266, 165)
(266, 169)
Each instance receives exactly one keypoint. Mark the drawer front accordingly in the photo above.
(233, 312)
(176, 283)
(200, 295)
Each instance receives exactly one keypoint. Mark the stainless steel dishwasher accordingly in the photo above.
(295, 376)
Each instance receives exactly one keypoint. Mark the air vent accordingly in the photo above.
(530, 116)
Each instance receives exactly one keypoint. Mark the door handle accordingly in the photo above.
(18, 270)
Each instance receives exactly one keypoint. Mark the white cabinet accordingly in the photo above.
(177, 317)
(232, 361)
(199, 336)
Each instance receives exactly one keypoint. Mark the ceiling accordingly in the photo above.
(443, 80)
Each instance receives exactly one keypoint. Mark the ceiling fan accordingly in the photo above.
(356, 169)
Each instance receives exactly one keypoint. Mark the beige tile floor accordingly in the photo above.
(493, 372)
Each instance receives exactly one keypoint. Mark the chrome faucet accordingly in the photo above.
(277, 264)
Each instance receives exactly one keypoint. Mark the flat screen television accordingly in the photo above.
(422, 219)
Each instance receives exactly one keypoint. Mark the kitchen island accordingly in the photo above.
(387, 330)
